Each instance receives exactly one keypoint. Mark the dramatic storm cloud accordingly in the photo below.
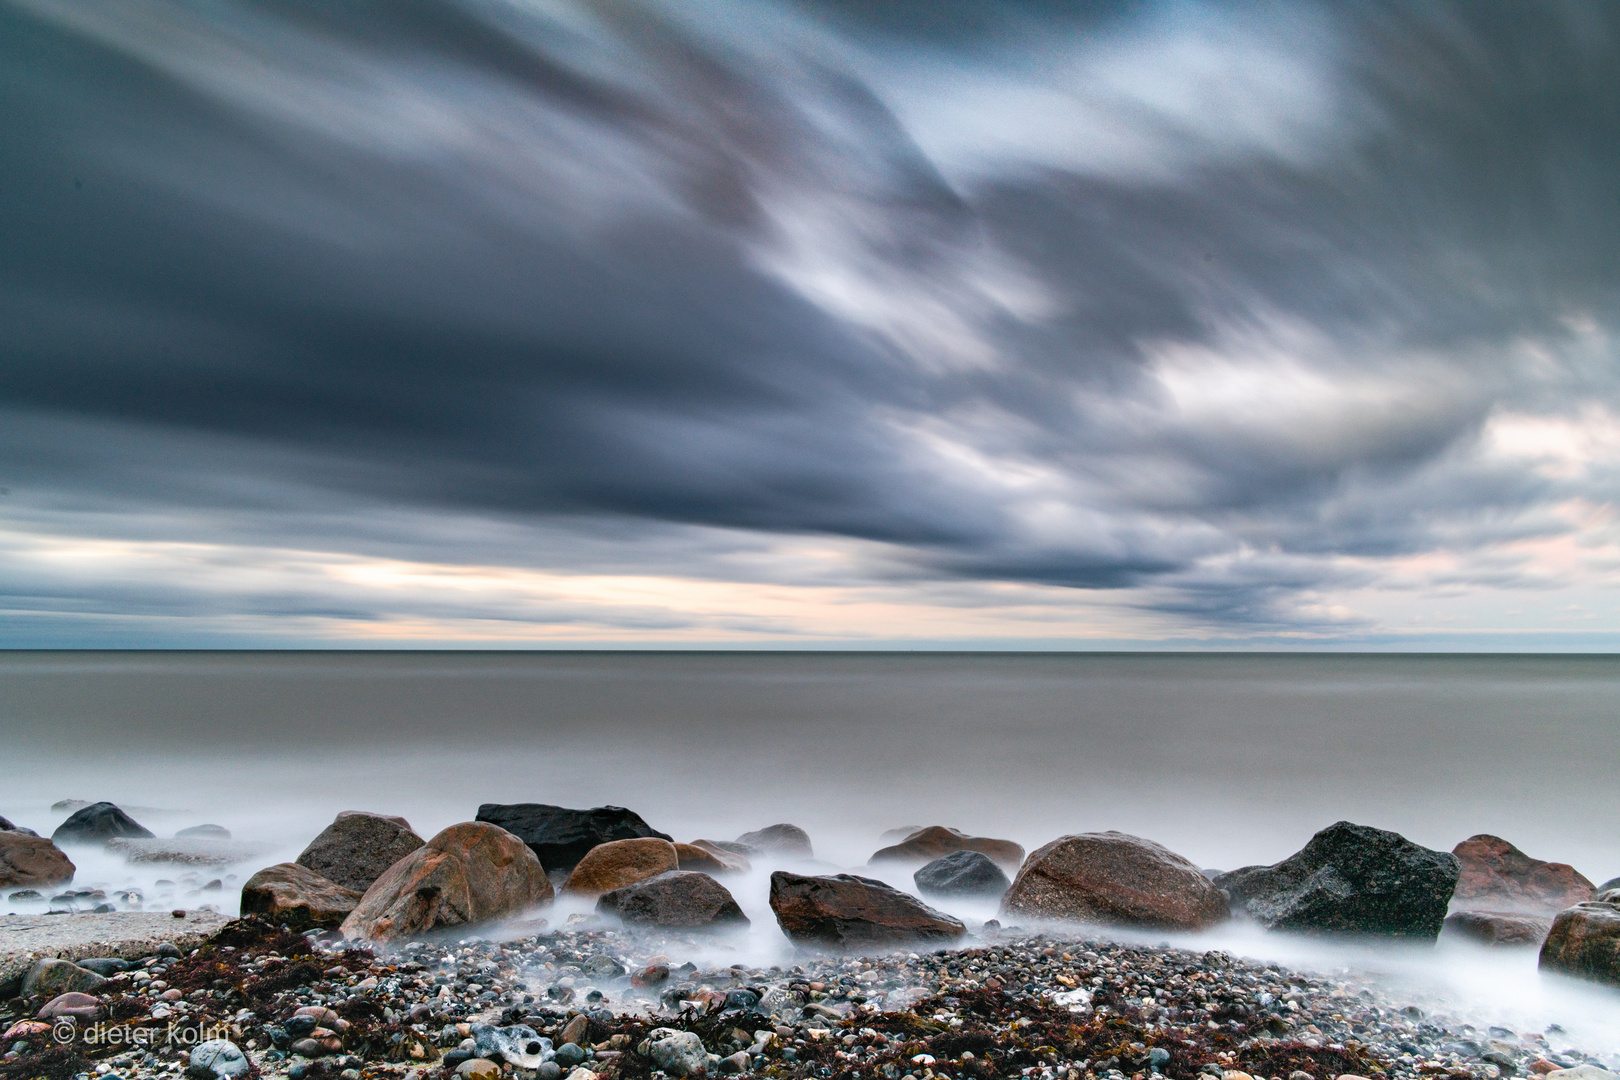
(548, 321)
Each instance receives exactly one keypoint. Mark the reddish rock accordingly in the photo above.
(77, 1005)
(1497, 876)
(1585, 942)
(846, 912)
(926, 845)
(469, 873)
(298, 896)
(707, 857)
(1498, 927)
(358, 847)
(620, 863)
(32, 861)
(1114, 878)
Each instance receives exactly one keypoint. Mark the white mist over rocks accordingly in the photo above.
(1226, 760)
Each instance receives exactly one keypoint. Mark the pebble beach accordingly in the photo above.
(320, 981)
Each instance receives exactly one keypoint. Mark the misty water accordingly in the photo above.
(1229, 760)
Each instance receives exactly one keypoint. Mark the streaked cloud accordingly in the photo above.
(541, 320)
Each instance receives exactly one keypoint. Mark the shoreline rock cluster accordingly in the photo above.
(376, 904)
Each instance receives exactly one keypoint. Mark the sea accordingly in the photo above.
(1228, 759)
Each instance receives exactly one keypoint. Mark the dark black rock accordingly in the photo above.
(962, 873)
(1350, 879)
(104, 965)
(560, 837)
(569, 1055)
(300, 1026)
(98, 823)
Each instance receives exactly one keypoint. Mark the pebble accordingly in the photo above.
(293, 1004)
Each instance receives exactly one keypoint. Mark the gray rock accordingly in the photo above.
(569, 1054)
(98, 823)
(1612, 883)
(679, 1053)
(1351, 879)
(358, 848)
(784, 839)
(214, 832)
(217, 1059)
(683, 899)
(50, 977)
(962, 873)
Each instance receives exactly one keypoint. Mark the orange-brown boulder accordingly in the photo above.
(469, 873)
(27, 860)
(619, 863)
(298, 896)
(1110, 877)
(1496, 876)
(706, 857)
(926, 845)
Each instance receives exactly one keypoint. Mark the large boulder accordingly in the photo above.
(620, 863)
(28, 861)
(926, 845)
(1496, 876)
(785, 840)
(1612, 883)
(1498, 927)
(1110, 877)
(298, 896)
(676, 899)
(1585, 942)
(1351, 879)
(710, 858)
(560, 837)
(98, 823)
(844, 912)
(962, 873)
(469, 873)
(357, 848)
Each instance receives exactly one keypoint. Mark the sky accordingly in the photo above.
(762, 324)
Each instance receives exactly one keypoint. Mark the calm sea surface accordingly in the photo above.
(1228, 759)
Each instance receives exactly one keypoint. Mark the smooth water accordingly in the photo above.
(1227, 759)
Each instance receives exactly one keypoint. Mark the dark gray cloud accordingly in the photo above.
(1205, 301)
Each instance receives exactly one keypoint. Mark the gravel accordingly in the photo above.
(1015, 1005)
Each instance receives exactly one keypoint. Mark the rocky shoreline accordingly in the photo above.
(1016, 1004)
(380, 954)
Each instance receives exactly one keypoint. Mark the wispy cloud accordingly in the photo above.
(792, 322)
